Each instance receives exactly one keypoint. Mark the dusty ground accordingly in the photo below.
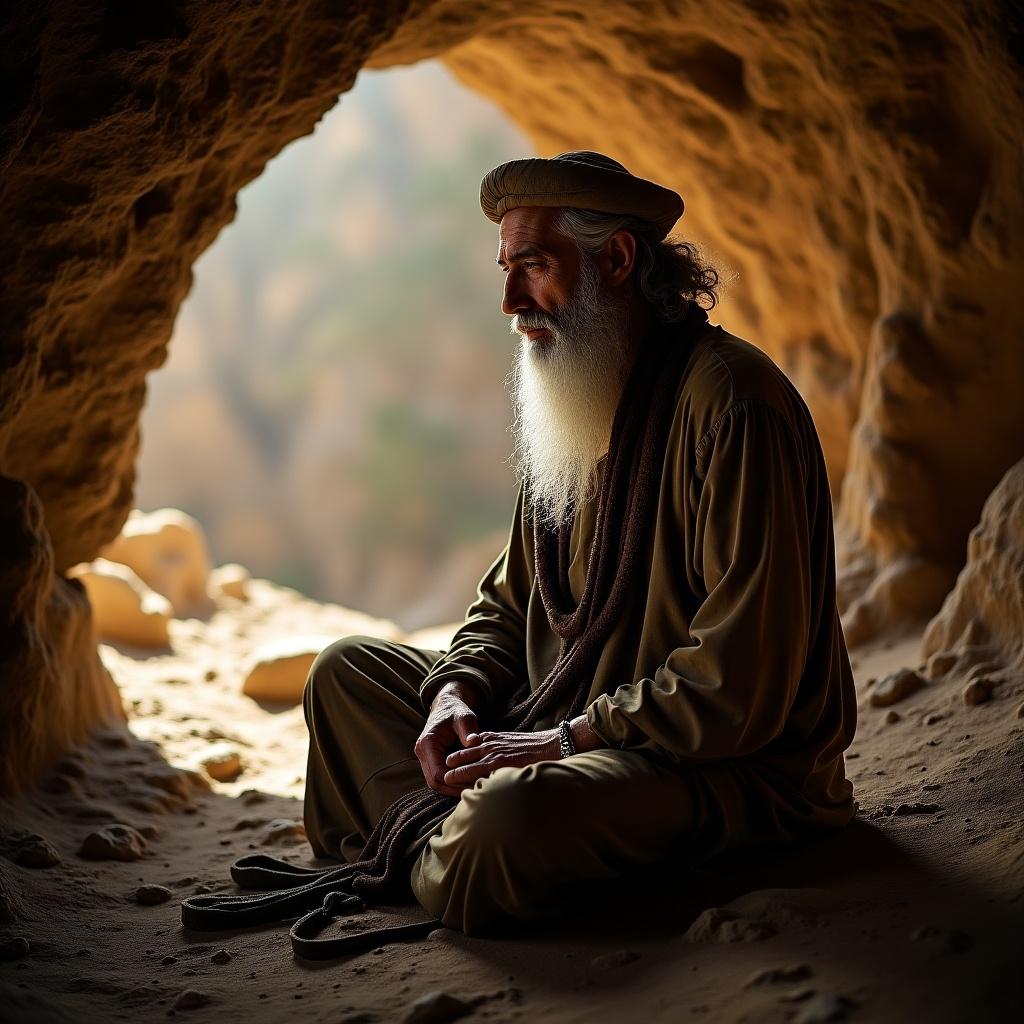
(914, 912)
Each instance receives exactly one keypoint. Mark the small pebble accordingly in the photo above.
(610, 961)
(222, 956)
(437, 1008)
(36, 852)
(151, 895)
(896, 687)
(978, 691)
(114, 842)
(892, 717)
(190, 999)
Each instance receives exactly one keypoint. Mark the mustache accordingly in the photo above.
(532, 321)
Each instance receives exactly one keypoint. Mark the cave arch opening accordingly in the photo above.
(332, 409)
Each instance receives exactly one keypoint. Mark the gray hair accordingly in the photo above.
(669, 274)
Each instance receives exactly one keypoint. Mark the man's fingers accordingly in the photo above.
(465, 728)
(469, 773)
(431, 758)
(465, 756)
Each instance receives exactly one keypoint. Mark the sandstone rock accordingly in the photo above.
(896, 687)
(610, 961)
(436, 1008)
(719, 925)
(231, 579)
(167, 550)
(152, 895)
(824, 1008)
(978, 691)
(221, 762)
(191, 999)
(879, 338)
(125, 610)
(980, 623)
(115, 842)
(282, 830)
(916, 808)
(280, 667)
(34, 851)
(56, 690)
(775, 975)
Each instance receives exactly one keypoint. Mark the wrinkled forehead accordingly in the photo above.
(527, 226)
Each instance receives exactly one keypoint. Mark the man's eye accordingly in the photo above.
(532, 265)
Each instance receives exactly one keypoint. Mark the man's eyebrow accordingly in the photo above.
(520, 254)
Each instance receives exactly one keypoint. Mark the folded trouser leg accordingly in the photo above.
(521, 835)
(363, 712)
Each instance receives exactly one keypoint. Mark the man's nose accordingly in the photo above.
(514, 299)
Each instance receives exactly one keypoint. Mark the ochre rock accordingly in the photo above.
(980, 628)
(55, 689)
(231, 579)
(279, 668)
(167, 551)
(124, 609)
(857, 174)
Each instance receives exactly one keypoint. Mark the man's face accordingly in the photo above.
(541, 268)
(572, 359)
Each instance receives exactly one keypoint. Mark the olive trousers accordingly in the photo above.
(518, 840)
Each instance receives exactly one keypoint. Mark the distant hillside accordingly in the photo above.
(333, 408)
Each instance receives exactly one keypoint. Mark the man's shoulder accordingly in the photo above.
(725, 372)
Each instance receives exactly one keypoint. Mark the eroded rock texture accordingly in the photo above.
(978, 632)
(54, 688)
(858, 166)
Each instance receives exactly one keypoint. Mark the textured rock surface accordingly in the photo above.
(54, 687)
(854, 165)
(979, 632)
(863, 184)
(167, 550)
(279, 668)
(124, 609)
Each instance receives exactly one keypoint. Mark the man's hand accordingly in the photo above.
(494, 750)
(450, 724)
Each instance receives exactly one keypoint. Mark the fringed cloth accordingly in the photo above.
(314, 896)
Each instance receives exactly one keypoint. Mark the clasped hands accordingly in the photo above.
(453, 754)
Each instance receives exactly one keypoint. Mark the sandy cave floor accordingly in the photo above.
(914, 912)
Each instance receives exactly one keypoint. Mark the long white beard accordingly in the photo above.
(565, 391)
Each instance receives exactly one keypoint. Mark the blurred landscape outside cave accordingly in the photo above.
(333, 408)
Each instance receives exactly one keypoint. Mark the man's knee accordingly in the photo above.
(480, 873)
(337, 668)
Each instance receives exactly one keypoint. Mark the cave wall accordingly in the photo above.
(857, 166)
(860, 168)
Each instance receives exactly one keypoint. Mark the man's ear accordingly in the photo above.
(620, 257)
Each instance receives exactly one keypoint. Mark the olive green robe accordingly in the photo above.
(730, 651)
(725, 692)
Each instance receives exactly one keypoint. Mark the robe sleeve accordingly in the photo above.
(727, 690)
(489, 648)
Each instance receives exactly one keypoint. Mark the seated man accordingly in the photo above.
(653, 667)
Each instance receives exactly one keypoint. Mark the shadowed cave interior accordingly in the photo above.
(859, 169)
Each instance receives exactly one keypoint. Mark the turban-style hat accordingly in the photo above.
(580, 179)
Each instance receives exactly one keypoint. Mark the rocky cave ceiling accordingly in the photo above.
(858, 168)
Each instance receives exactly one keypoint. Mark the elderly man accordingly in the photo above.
(653, 669)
